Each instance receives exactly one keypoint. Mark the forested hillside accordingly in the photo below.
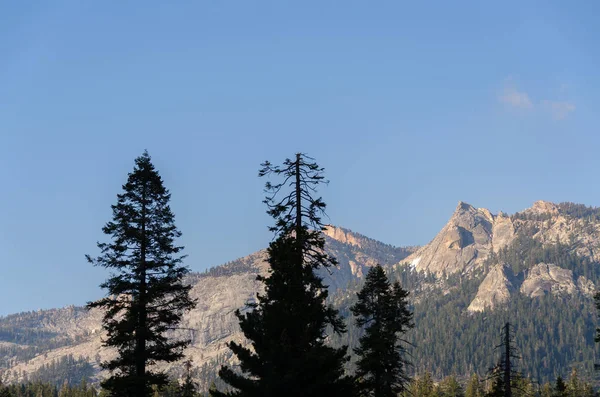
(536, 269)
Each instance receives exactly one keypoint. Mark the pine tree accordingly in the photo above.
(188, 389)
(474, 388)
(288, 325)
(146, 296)
(503, 374)
(497, 388)
(597, 338)
(449, 387)
(523, 387)
(383, 309)
(575, 387)
(546, 390)
(560, 388)
(423, 386)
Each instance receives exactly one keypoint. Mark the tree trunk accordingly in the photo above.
(140, 358)
(507, 369)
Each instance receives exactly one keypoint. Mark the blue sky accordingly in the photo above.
(410, 106)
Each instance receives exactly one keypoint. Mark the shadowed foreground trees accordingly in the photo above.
(146, 295)
(289, 324)
(382, 309)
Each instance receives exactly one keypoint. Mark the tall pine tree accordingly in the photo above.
(289, 324)
(383, 309)
(504, 376)
(146, 294)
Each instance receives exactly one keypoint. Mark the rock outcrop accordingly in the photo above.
(465, 242)
(541, 279)
(545, 278)
(344, 236)
(495, 289)
(554, 224)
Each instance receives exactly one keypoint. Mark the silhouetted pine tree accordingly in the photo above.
(383, 309)
(146, 295)
(504, 374)
(288, 326)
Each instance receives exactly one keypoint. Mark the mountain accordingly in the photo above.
(33, 342)
(537, 268)
(465, 242)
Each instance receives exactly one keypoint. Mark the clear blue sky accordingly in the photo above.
(410, 106)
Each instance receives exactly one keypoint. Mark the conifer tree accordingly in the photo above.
(575, 387)
(288, 325)
(449, 387)
(474, 388)
(188, 389)
(383, 309)
(546, 390)
(560, 388)
(146, 294)
(504, 374)
(422, 386)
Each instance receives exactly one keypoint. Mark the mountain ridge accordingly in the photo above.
(220, 291)
(478, 264)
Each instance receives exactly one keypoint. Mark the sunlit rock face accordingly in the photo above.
(545, 278)
(495, 289)
(465, 242)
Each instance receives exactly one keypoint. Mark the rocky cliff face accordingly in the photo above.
(579, 229)
(465, 242)
(548, 278)
(542, 279)
(473, 236)
(495, 290)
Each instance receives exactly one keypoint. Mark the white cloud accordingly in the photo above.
(559, 110)
(515, 98)
(511, 96)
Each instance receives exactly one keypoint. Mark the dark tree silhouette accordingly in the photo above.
(188, 389)
(504, 373)
(288, 325)
(597, 338)
(560, 388)
(383, 309)
(146, 295)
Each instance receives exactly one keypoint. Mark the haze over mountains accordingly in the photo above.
(537, 268)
